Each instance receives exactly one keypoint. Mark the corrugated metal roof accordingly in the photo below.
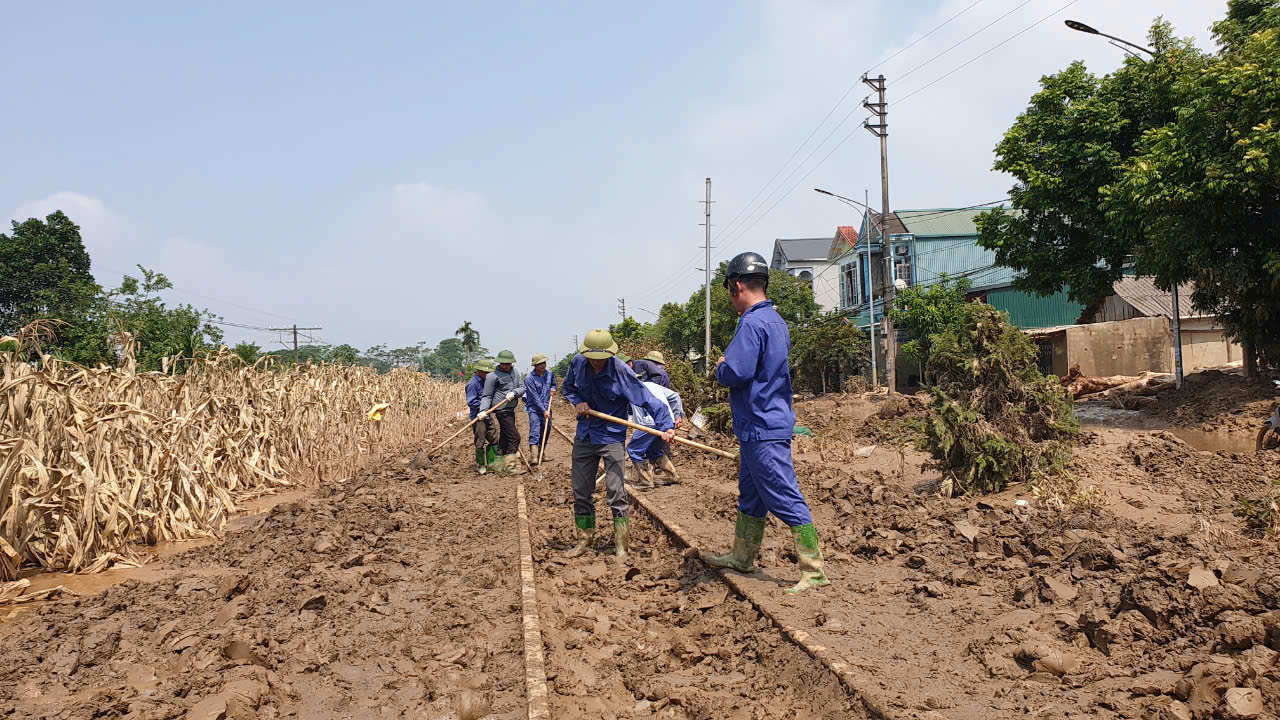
(1032, 311)
(942, 221)
(795, 249)
(893, 226)
(1146, 298)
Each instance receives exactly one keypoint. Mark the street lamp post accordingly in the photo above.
(1177, 310)
(871, 294)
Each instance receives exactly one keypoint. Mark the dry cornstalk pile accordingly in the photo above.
(93, 461)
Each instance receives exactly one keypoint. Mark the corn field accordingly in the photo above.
(94, 461)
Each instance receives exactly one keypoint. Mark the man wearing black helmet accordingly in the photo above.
(754, 368)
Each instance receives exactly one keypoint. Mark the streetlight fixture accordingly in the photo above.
(1089, 29)
(1177, 310)
(871, 295)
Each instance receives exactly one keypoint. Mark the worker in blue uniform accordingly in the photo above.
(652, 368)
(485, 429)
(754, 368)
(539, 388)
(598, 380)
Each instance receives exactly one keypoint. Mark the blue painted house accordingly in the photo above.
(924, 245)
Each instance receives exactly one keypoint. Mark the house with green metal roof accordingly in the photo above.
(926, 244)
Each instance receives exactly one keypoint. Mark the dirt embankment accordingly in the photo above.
(385, 596)
(1210, 400)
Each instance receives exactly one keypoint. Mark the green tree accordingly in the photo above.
(629, 330)
(448, 360)
(681, 326)
(345, 355)
(1164, 167)
(825, 349)
(470, 342)
(181, 331)
(45, 274)
(562, 366)
(248, 352)
(923, 311)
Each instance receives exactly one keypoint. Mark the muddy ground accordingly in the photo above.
(392, 595)
(396, 595)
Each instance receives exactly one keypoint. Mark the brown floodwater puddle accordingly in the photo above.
(154, 569)
(1097, 417)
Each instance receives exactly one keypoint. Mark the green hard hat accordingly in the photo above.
(506, 356)
(623, 357)
(484, 365)
(537, 358)
(599, 345)
(654, 356)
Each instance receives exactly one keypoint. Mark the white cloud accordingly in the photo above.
(102, 228)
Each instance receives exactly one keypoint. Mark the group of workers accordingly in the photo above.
(602, 379)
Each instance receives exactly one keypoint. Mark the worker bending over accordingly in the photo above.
(501, 388)
(646, 448)
(539, 388)
(652, 368)
(485, 430)
(754, 368)
(597, 380)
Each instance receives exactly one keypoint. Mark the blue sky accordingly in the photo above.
(389, 170)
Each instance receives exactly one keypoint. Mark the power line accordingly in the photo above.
(207, 297)
(984, 53)
(967, 39)
(922, 37)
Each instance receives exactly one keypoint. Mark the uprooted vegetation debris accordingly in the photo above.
(994, 418)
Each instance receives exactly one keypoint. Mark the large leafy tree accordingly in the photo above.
(680, 326)
(825, 349)
(1165, 166)
(45, 274)
(160, 331)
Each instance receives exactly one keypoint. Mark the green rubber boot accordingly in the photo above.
(491, 457)
(481, 462)
(584, 526)
(622, 538)
(748, 533)
(810, 560)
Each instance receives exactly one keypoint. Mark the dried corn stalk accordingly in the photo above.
(96, 460)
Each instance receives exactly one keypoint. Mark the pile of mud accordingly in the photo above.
(1216, 400)
(1143, 623)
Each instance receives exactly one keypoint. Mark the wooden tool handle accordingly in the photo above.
(651, 431)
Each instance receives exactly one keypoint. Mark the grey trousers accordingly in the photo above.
(485, 432)
(586, 458)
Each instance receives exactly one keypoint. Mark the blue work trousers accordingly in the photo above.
(537, 426)
(644, 446)
(767, 483)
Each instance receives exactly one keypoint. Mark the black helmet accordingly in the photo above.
(745, 264)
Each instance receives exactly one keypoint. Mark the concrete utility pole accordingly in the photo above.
(881, 130)
(706, 348)
(294, 329)
(871, 292)
(622, 308)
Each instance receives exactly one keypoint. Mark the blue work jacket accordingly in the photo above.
(756, 373)
(475, 386)
(611, 391)
(537, 391)
(650, 371)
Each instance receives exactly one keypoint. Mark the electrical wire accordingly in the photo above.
(747, 208)
(967, 39)
(982, 54)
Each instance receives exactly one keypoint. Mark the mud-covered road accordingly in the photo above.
(396, 594)
(392, 595)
